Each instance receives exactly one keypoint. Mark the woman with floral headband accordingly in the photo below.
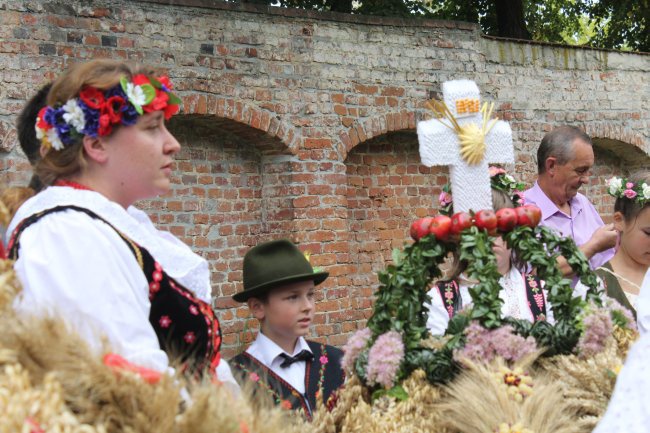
(624, 273)
(84, 251)
(522, 293)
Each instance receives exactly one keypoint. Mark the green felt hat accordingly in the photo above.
(272, 264)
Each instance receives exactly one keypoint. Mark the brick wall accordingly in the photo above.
(301, 124)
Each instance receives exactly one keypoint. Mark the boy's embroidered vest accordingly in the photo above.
(186, 327)
(323, 375)
(453, 302)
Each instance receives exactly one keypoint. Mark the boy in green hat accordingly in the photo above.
(279, 290)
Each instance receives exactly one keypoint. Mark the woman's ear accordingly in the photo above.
(95, 149)
(256, 306)
(619, 222)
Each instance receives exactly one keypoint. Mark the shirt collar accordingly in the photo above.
(536, 196)
(539, 198)
(269, 350)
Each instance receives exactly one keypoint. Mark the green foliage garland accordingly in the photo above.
(404, 285)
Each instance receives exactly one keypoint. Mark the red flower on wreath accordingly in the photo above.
(140, 79)
(159, 102)
(285, 404)
(113, 107)
(92, 97)
(41, 123)
(170, 110)
(164, 80)
(105, 126)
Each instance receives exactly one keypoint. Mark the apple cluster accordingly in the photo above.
(444, 228)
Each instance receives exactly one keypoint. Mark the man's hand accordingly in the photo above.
(603, 239)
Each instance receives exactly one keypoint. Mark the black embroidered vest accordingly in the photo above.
(453, 302)
(187, 328)
(322, 375)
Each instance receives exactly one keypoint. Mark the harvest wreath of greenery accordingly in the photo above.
(400, 300)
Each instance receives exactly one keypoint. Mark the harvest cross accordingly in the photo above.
(464, 138)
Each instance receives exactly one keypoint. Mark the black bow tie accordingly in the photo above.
(303, 355)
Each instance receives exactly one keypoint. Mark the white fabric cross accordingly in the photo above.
(439, 145)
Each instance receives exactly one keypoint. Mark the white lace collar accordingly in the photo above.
(176, 258)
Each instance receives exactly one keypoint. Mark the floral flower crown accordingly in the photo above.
(499, 179)
(95, 112)
(623, 188)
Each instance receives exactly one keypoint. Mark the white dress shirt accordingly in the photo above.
(269, 353)
(513, 294)
(79, 268)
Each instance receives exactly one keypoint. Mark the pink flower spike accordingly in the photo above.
(353, 348)
(385, 358)
(629, 193)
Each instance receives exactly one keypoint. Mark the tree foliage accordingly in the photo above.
(617, 24)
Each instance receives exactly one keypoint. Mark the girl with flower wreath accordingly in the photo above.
(522, 292)
(623, 274)
(84, 252)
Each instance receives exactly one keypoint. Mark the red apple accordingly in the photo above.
(459, 222)
(486, 219)
(506, 219)
(524, 217)
(420, 228)
(440, 227)
(536, 213)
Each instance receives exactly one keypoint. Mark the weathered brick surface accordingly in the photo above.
(301, 124)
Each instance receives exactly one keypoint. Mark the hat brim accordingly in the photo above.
(317, 277)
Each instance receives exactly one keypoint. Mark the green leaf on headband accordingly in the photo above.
(124, 82)
(173, 99)
(157, 84)
(149, 93)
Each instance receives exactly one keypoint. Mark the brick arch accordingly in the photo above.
(246, 114)
(363, 130)
(618, 152)
(233, 187)
(627, 145)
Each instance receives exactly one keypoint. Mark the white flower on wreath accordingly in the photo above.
(54, 140)
(509, 179)
(615, 185)
(40, 133)
(135, 94)
(74, 115)
(646, 191)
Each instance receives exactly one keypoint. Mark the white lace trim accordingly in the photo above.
(176, 258)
